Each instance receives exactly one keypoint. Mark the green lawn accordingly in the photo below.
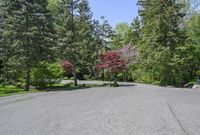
(13, 90)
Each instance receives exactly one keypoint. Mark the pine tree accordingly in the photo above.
(66, 31)
(135, 31)
(28, 31)
(106, 34)
(1, 29)
(5, 40)
(86, 40)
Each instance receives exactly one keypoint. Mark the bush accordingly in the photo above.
(46, 74)
(20, 85)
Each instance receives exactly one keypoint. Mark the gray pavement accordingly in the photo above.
(128, 110)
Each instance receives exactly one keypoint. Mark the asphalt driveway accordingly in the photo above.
(128, 110)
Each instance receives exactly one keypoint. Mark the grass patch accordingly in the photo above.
(13, 90)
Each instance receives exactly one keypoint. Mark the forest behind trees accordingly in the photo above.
(39, 40)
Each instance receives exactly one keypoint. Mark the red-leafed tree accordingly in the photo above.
(112, 61)
(67, 66)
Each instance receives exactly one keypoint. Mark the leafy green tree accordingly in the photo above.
(46, 74)
(193, 43)
(120, 31)
(125, 34)
(193, 29)
(161, 37)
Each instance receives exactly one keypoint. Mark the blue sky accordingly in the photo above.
(115, 11)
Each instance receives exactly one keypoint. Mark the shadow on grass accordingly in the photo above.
(63, 88)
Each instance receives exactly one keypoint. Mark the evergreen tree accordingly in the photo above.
(1, 29)
(85, 40)
(134, 33)
(67, 30)
(161, 37)
(5, 48)
(28, 33)
(106, 34)
(193, 44)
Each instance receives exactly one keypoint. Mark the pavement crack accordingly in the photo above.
(178, 121)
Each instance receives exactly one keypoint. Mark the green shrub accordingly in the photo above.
(19, 85)
(46, 74)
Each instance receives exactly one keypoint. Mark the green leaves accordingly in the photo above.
(162, 43)
(28, 31)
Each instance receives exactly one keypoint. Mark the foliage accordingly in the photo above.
(28, 30)
(161, 39)
(112, 61)
(120, 32)
(126, 34)
(46, 74)
(77, 41)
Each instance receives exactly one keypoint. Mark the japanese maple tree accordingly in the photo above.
(112, 61)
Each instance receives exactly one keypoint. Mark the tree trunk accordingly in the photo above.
(75, 77)
(115, 80)
(110, 77)
(103, 78)
(27, 80)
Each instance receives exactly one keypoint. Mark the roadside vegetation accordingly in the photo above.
(10, 90)
(13, 90)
